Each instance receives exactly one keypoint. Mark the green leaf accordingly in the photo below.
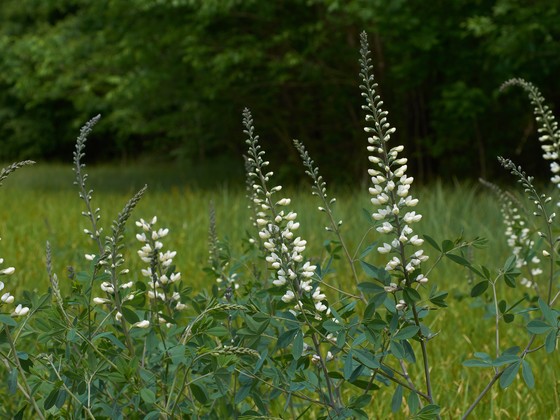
(428, 412)
(397, 350)
(458, 260)
(217, 331)
(476, 363)
(12, 381)
(413, 402)
(406, 332)
(549, 315)
(367, 359)
(446, 245)
(502, 306)
(297, 348)
(479, 288)
(348, 365)
(432, 242)
(438, 299)
(508, 318)
(148, 395)
(7, 320)
(360, 402)
(331, 326)
(550, 341)
(72, 335)
(199, 393)
(396, 401)
(341, 339)
(51, 399)
(537, 326)
(528, 374)
(411, 295)
(505, 359)
(130, 316)
(286, 338)
(510, 264)
(370, 288)
(367, 250)
(509, 374)
(375, 272)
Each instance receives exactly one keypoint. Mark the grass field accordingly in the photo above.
(40, 204)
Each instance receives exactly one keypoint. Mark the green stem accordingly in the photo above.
(22, 374)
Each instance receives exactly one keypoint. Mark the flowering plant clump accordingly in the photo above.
(276, 336)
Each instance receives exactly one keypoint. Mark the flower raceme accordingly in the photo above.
(7, 298)
(390, 189)
(161, 274)
(277, 230)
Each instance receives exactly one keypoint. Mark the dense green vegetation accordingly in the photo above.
(36, 209)
(171, 77)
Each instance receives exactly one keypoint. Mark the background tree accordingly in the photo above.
(171, 77)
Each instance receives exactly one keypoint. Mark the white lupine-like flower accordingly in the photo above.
(401, 305)
(288, 296)
(317, 295)
(100, 301)
(320, 306)
(20, 310)
(142, 324)
(7, 298)
(107, 287)
(8, 271)
(391, 288)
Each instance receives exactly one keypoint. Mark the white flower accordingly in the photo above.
(280, 281)
(7, 271)
(386, 248)
(391, 288)
(142, 324)
(89, 257)
(401, 305)
(107, 287)
(306, 286)
(7, 298)
(320, 306)
(288, 296)
(20, 310)
(317, 295)
(100, 301)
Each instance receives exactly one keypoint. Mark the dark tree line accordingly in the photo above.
(171, 77)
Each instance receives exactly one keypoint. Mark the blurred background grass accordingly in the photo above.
(40, 203)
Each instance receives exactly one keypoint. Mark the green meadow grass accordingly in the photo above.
(40, 203)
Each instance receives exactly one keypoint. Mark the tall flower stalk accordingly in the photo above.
(390, 195)
(549, 133)
(319, 189)
(292, 274)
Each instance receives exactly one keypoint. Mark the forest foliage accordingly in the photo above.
(170, 78)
